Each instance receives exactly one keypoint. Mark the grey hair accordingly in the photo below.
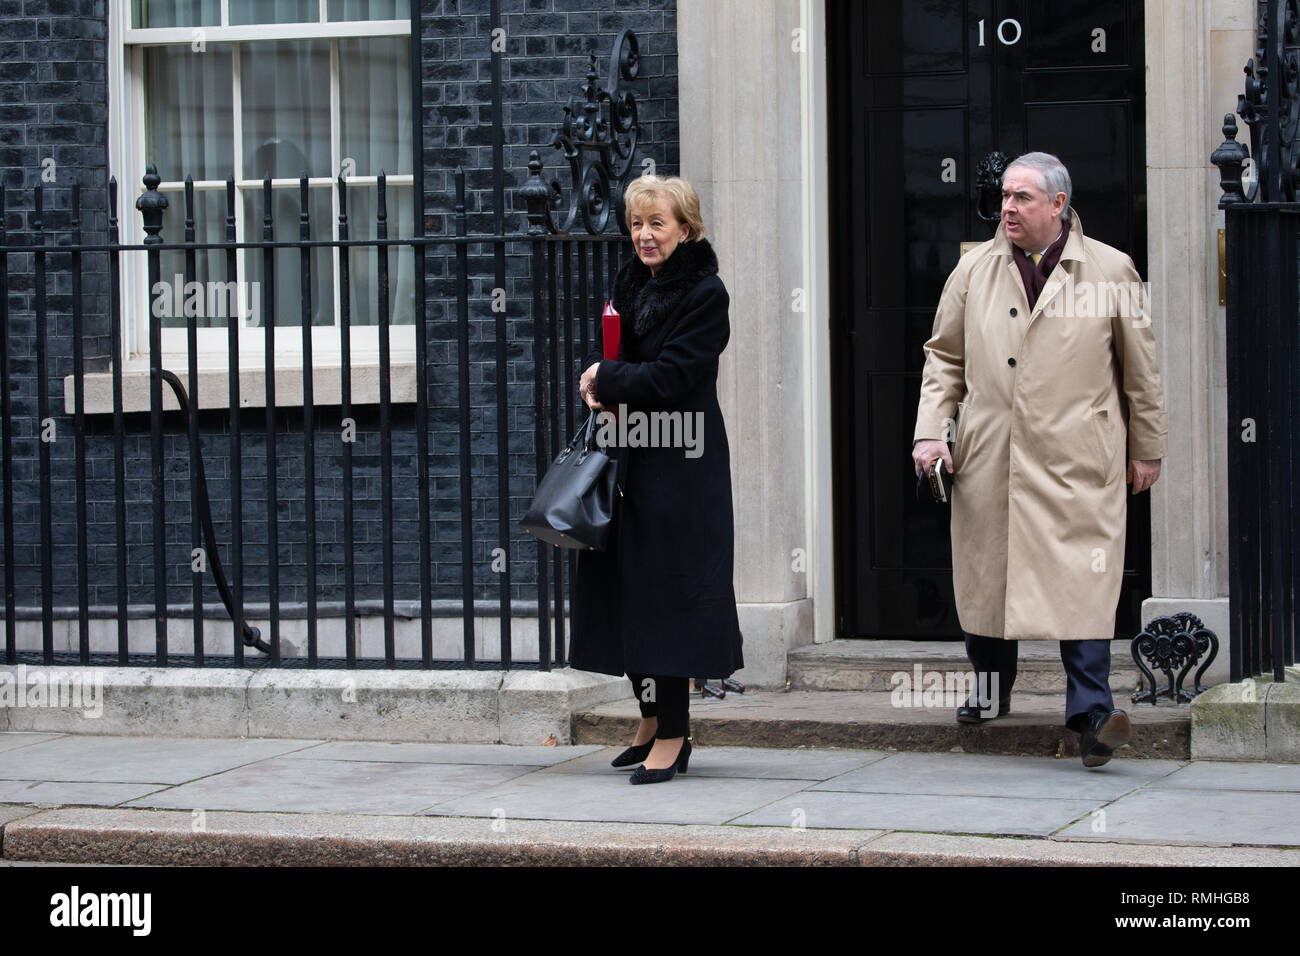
(1053, 177)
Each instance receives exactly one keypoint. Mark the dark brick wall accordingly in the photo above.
(53, 103)
(53, 134)
(548, 44)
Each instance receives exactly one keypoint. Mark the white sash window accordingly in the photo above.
(213, 88)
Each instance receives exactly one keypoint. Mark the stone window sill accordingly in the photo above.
(214, 392)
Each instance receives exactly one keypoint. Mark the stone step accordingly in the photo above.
(870, 720)
(871, 665)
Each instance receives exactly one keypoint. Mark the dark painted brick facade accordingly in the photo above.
(53, 105)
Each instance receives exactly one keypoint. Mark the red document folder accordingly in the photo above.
(611, 329)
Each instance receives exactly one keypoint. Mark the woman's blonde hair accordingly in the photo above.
(682, 200)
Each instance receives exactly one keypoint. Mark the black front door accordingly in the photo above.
(921, 92)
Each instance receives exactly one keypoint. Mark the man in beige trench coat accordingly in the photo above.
(1041, 369)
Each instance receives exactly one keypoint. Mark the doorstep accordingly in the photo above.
(852, 664)
(871, 720)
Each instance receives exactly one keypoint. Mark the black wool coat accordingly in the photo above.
(660, 600)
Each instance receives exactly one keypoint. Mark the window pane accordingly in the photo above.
(176, 13)
(375, 102)
(213, 306)
(363, 207)
(369, 9)
(288, 262)
(285, 90)
(189, 121)
(274, 11)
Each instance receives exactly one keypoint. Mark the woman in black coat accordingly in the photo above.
(658, 604)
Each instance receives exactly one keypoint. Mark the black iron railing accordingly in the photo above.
(568, 281)
(559, 278)
(1263, 373)
(1262, 264)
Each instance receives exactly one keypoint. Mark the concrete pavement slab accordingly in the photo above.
(848, 797)
(389, 752)
(77, 793)
(818, 809)
(9, 814)
(1198, 816)
(995, 776)
(12, 741)
(750, 762)
(333, 786)
(546, 795)
(136, 759)
(1231, 775)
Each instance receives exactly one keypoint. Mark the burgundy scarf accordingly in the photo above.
(1035, 276)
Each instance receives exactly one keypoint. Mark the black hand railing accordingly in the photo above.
(252, 636)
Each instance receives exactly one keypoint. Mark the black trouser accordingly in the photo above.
(666, 698)
(1087, 671)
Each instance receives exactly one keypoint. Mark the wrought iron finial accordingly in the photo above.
(537, 195)
(1230, 157)
(151, 204)
(598, 139)
(112, 210)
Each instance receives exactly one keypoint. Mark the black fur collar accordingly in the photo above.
(647, 299)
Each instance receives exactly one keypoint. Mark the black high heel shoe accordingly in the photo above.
(642, 775)
(633, 755)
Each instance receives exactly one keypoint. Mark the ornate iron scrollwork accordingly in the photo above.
(1272, 85)
(598, 139)
(1173, 644)
(988, 183)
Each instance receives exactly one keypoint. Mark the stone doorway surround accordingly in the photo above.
(1195, 54)
(752, 81)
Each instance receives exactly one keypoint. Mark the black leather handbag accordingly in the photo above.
(574, 504)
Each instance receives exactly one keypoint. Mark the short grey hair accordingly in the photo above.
(1053, 177)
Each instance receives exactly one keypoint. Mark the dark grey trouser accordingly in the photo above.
(1087, 672)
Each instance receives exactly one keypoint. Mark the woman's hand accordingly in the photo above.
(587, 387)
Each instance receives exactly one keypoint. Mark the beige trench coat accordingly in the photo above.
(1046, 404)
